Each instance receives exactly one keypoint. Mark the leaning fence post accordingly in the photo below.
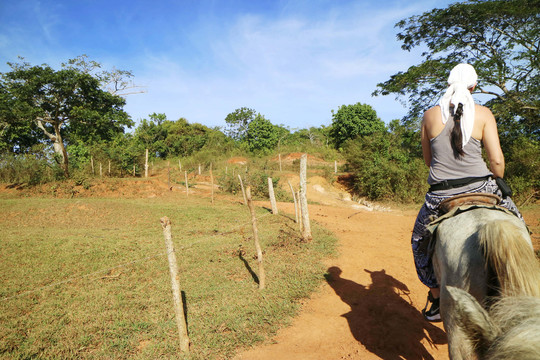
(262, 276)
(175, 284)
(306, 233)
(295, 202)
(272, 196)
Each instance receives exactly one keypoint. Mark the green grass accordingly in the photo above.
(89, 278)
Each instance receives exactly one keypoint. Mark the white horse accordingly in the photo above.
(489, 256)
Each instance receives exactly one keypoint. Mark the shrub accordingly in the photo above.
(258, 180)
(31, 169)
(523, 167)
(383, 170)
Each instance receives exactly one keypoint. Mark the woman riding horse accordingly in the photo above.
(452, 136)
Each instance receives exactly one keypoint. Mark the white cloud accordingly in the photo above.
(293, 69)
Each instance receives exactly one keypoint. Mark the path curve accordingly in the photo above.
(369, 307)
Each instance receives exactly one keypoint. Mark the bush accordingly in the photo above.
(523, 167)
(258, 181)
(30, 169)
(383, 170)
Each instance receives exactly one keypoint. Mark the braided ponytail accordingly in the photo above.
(456, 138)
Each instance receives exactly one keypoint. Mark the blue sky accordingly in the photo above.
(292, 61)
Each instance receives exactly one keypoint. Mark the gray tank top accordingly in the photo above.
(443, 164)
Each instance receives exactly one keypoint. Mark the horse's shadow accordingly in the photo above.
(382, 319)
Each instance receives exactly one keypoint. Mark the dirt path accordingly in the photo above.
(369, 308)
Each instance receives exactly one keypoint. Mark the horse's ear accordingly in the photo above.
(473, 320)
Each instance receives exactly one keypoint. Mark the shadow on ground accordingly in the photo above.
(382, 317)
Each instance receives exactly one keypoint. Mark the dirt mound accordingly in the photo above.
(238, 161)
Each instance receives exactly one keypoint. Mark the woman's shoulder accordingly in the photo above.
(480, 109)
(433, 109)
(432, 115)
(483, 114)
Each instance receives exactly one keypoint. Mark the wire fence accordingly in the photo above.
(126, 264)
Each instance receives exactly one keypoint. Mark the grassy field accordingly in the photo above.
(88, 277)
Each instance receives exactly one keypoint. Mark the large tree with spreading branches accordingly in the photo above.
(500, 38)
(39, 103)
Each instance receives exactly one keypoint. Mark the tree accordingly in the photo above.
(261, 134)
(500, 38)
(351, 121)
(238, 122)
(61, 104)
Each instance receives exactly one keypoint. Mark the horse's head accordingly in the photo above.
(511, 329)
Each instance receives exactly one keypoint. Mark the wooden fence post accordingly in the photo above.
(306, 233)
(92, 165)
(146, 165)
(212, 183)
(294, 199)
(243, 191)
(175, 284)
(187, 186)
(272, 196)
(100, 170)
(262, 276)
(169, 175)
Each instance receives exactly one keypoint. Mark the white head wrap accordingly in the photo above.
(462, 78)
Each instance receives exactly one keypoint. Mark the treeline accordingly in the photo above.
(385, 162)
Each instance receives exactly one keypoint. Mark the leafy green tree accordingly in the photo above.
(183, 138)
(500, 38)
(261, 134)
(152, 134)
(64, 105)
(351, 121)
(238, 122)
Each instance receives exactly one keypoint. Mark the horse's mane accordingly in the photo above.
(510, 256)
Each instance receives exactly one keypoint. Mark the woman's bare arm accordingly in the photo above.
(426, 146)
(492, 144)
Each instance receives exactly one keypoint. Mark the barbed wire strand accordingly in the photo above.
(147, 258)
